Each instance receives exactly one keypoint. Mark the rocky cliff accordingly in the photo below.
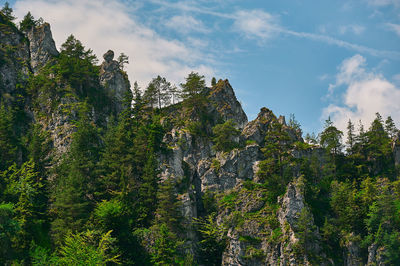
(257, 228)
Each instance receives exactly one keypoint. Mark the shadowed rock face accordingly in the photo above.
(114, 79)
(41, 45)
(14, 61)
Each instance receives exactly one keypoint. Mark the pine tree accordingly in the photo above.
(158, 92)
(28, 22)
(192, 89)
(390, 127)
(122, 60)
(167, 210)
(148, 190)
(331, 138)
(8, 139)
(213, 82)
(350, 137)
(8, 12)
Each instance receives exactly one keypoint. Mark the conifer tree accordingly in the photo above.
(27, 23)
(8, 12)
(390, 127)
(122, 60)
(8, 139)
(213, 81)
(192, 89)
(350, 137)
(167, 210)
(331, 138)
(158, 92)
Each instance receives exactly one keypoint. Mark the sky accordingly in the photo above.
(315, 59)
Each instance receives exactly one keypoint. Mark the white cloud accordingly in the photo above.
(111, 24)
(366, 93)
(356, 29)
(185, 24)
(393, 27)
(256, 23)
(261, 25)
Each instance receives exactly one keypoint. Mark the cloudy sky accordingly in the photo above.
(312, 58)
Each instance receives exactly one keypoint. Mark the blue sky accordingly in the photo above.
(311, 58)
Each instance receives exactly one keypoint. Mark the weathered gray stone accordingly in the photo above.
(14, 60)
(224, 100)
(114, 80)
(41, 45)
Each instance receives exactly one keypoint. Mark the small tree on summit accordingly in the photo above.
(194, 85)
(122, 60)
(29, 22)
(191, 90)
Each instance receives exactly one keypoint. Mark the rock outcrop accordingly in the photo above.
(114, 80)
(41, 45)
(224, 100)
(396, 149)
(14, 59)
(292, 215)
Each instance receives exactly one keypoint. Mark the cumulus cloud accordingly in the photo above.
(112, 24)
(256, 24)
(366, 93)
(393, 27)
(186, 24)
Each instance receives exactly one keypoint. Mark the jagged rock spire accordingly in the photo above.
(113, 79)
(41, 45)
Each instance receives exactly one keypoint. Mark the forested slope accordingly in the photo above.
(94, 171)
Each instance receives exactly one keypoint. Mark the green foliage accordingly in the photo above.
(331, 137)
(213, 81)
(193, 86)
(225, 136)
(167, 212)
(9, 226)
(29, 22)
(165, 249)
(214, 239)
(229, 199)
(8, 139)
(76, 181)
(122, 60)
(158, 92)
(88, 249)
(275, 170)
(305, 232)
(24, 187)
(104, 196)
(7, 11)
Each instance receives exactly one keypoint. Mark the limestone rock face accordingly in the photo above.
(396, 149)
(113, 79)
(226, 103)
(256, 130)
(292, 204)
(14, 59)
(353, 257)
(41, 45)
(225, 171)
